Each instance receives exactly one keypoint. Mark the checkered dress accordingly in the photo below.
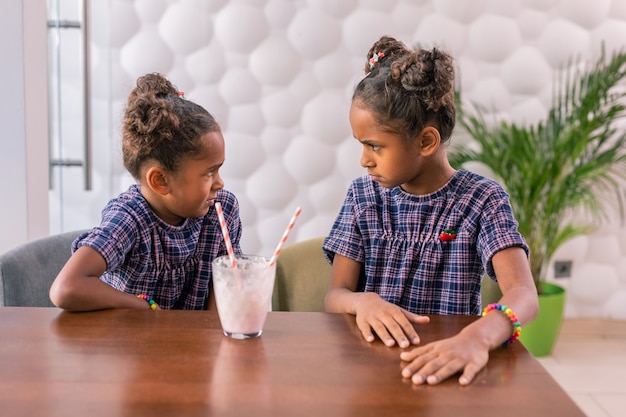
(145, 255)
(396, 236)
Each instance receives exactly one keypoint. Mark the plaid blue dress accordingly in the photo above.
(145, 255)
(396, 236)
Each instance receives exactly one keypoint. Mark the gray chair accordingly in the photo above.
(302, 277)
(27, 271)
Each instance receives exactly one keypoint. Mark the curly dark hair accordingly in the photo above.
(408, 90)
(162, 126)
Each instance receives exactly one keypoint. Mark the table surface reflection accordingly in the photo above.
(178, 363)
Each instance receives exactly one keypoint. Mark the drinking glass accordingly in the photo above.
(243, 294)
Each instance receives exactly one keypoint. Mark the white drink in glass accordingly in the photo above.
(243, 294)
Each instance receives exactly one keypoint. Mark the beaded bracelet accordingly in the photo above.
(153, 304)
(517, 327)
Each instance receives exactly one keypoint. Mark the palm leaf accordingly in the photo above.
(565, 167)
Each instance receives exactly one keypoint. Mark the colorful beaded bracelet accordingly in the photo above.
(517, 327)
(153, 304)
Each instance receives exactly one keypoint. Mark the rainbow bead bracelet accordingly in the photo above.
(517, 326)
(153, 304)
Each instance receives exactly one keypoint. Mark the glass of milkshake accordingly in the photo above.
(243, 293)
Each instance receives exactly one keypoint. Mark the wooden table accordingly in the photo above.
(178, 363)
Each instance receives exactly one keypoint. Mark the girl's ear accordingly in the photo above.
(429, 140)
(156, 179)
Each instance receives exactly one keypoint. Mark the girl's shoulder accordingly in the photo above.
(364, 185)
(468, 182)
(129, 212)
(365, 191)
(130, 200)
(476, 193)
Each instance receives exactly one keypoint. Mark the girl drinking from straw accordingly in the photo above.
(415, 236)
(155, 243)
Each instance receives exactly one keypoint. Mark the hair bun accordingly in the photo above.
(428, 74)
(155, 85)
(149, 106)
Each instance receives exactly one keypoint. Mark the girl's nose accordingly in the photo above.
(218, 184)
(365, 160)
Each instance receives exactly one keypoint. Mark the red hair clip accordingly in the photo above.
(447, 235)
(375, 58)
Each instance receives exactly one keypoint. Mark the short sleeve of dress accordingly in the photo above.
(114, 237)
(344, 237)
(498, 231)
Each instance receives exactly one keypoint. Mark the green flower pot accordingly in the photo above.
(540, 336)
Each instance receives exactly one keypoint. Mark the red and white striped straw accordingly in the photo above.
(284, 238)
(229, 246)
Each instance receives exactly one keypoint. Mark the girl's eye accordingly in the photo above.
(210, 173)
(375, 147)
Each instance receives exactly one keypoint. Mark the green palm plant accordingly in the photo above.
(564, 167)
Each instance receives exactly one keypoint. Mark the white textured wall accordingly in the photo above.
(278, 76)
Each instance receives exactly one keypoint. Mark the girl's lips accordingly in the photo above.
(375, 178)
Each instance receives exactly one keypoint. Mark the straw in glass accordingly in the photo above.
(284, 238)
(229, 246)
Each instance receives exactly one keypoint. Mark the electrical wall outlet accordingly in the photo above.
(562, 269)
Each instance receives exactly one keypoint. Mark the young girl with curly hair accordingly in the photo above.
(415, 236)
(155, 243)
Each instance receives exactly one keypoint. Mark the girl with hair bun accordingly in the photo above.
(155, 243)
(415, 236)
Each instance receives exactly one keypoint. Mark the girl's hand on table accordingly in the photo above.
(436, 361)
(391, 323)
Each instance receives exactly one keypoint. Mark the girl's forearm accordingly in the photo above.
(341, 300)
(89, 294)
(496, 327)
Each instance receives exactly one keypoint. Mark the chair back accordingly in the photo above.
(27, 271)
(303, 274)
(302, 277)
(489, 291)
